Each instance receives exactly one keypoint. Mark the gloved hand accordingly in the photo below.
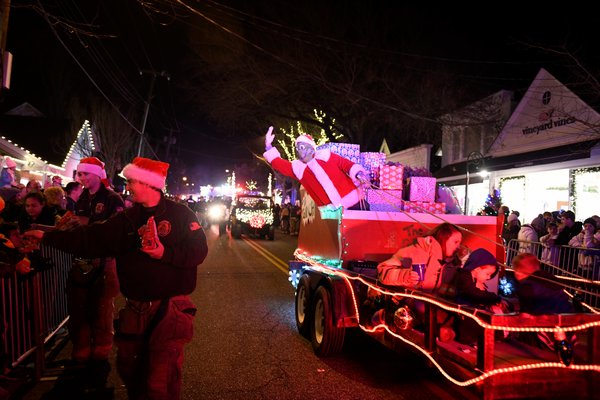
(364, 181)
(269, 139)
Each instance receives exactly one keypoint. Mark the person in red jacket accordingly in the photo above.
(158, 245)
(331, 180)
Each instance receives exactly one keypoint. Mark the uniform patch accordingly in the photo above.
(163, 228)
(194, 226)
(99, 208)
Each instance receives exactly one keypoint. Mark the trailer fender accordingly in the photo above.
(344, 313)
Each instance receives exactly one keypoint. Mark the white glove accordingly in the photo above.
(269, 139)
(364, 182)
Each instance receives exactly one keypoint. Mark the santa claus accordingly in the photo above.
(331, 180)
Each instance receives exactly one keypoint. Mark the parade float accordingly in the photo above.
(334, 272)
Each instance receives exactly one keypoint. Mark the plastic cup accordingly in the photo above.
(420, 269)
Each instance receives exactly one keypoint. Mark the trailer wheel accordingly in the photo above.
(303, 316)
(326, 338)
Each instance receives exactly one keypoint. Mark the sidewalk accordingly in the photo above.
(62, 379)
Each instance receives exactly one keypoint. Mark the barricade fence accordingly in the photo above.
(34, 306)
(577, 268)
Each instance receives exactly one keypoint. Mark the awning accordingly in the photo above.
(455, 174)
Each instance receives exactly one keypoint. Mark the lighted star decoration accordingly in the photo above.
(251, 185)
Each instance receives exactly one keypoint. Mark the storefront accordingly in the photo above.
(546, 157)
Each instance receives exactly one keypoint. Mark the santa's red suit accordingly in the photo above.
(327, 177)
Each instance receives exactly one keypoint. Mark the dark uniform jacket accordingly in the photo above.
(141, 277)
(99, 206)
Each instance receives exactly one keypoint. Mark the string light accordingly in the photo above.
(254, 217)
(311, 263)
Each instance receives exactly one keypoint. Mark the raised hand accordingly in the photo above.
(269, 138)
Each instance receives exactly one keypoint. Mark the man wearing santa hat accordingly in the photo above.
(93, 285)
(331, 180)
(158, 244)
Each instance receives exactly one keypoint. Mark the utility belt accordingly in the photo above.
(140, 320)
(85, 272)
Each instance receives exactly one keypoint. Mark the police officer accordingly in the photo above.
(156, 278)
(93, 284)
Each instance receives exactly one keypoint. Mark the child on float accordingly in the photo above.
(471, 285)
(540, 293)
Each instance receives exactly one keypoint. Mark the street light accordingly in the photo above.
(474, 159)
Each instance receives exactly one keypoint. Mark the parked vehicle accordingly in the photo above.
(252, 215)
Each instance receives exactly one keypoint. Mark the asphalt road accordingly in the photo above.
(246, 345)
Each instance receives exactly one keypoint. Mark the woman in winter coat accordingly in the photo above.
(439, 245)
(431, 253)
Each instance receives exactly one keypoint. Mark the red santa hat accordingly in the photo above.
(92, 165)
(151, 172)
(306, 139)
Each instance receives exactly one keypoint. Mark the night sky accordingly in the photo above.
(488, 47)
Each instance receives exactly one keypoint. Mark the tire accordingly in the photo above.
(326, 338)
(303, 315)
(236, 231)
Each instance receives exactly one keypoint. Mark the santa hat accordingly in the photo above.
(306, 139)
(151, 172)
(9, 163)
(92, 165)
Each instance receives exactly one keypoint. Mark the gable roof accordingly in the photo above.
(549, 115)
(25, 110)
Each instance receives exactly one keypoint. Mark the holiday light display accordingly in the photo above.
(492, 203)
(255, 218)
(403, 320)
(320, 135)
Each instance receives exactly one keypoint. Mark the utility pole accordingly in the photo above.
(4, 12)
(153, 75)
(4, 55)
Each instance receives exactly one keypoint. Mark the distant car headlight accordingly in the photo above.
(216, 212)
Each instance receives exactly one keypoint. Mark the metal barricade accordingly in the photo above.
(577, 268)
(34, 307)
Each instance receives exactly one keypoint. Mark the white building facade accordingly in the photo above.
(543, 154)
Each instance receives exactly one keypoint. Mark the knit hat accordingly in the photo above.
(92, 165)
(151, 172)
(512, 217)
(9, 163)
(306, 139)
(590, 221)
(479, 258)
